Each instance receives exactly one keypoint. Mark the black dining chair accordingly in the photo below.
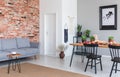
(115, 58)
(77, 50)
(93, 57)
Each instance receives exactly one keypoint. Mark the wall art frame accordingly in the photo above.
(108, 17)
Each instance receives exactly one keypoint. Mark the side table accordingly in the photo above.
(14, 62)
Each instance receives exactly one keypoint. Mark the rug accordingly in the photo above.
(32, 70)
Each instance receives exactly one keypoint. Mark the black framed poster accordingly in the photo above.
(108, 17)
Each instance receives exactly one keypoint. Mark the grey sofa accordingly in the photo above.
(19, 45)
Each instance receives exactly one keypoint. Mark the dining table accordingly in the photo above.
(101, 45)
(81, 44)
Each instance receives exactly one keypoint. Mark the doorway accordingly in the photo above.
(50, 34)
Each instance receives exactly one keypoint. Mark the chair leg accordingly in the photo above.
(82, 58)
(72, 56)
(101, 64)
(95, 66)
(71, 59)
(9, 63)
(83, 55)
(112, 69)
(116, 67)
(86, 65)
(91, 63)
(19, 66)
(35, 57)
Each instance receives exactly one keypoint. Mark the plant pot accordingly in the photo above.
(62, 55)
(79, 34)
(110, 40)
(87, 35)
(92, 40)
(83, 41)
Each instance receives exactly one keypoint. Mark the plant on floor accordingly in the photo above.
(62, 48)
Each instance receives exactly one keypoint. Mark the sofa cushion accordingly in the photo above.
(0, 44)
(21, 51)
(25, 52)
(3, 55)
(23, 42)
(8, 44)
(31, 50)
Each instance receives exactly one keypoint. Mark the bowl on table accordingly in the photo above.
(13, 52)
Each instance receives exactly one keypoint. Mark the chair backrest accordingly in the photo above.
(91, 48)
(114, 51)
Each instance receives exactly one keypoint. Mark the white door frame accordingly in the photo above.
(50, 45)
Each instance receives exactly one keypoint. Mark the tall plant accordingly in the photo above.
(79, 33)
(79, 27)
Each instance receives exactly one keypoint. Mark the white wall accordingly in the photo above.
(63, 9)
(50, 6)
(88, 16)
(69, 11)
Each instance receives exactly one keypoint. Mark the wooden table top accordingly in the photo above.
(14, 55)
(81, 44)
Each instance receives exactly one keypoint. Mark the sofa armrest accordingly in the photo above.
(34, 44)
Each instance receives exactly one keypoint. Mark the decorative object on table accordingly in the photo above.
(79, 33)
(110, 39)
(62, 48)
(108, 17)
(84, 38)
(13, 52)
(96, 37)
(87, 32)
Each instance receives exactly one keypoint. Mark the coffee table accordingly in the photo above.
(14, 62)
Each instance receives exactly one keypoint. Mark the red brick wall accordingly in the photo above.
(19, 18)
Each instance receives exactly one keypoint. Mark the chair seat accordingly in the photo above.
(91, 56)
(116, 59)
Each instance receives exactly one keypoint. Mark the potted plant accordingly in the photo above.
(84, 38)
(92, 38)
(79, 33)
(110, 39)
(87, 32)
(62, 48)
